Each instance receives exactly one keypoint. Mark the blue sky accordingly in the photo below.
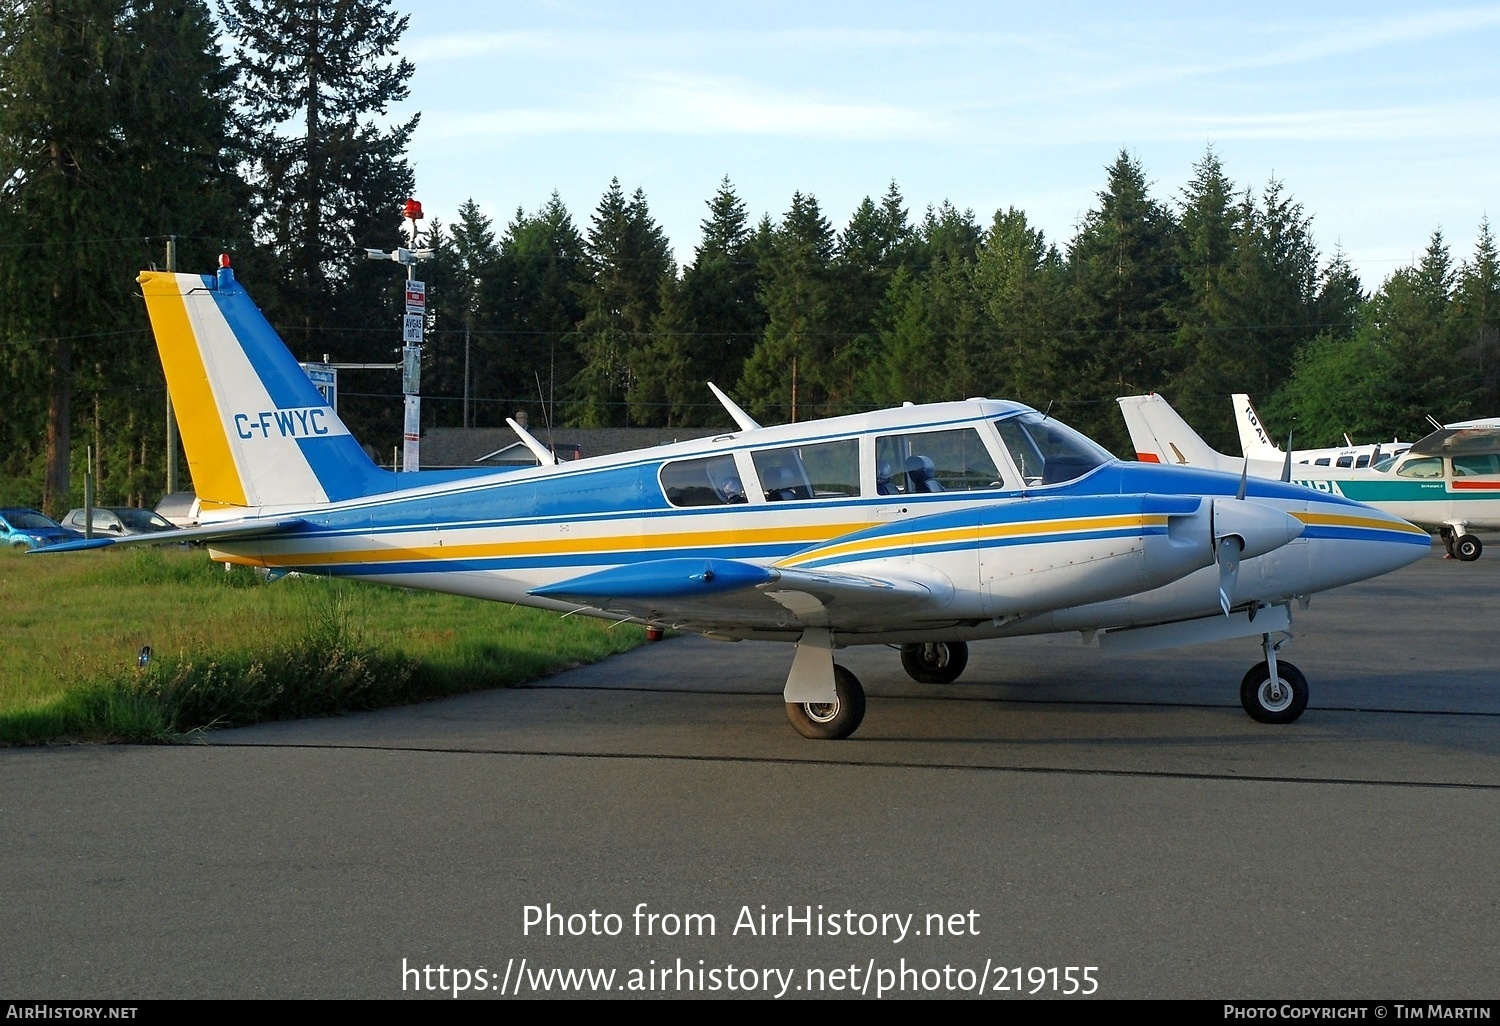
(1382, 120)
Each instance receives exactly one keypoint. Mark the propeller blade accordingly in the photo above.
(1229, 569)
(1244, 479)
(1286, 466)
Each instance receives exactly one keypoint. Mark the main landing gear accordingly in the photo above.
(935, 662)
(835, 720)
(1461, 545)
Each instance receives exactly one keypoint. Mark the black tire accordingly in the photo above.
(1262, 705)
(1467, 547)
(935, 662)
(1448, 539)
(831, 721)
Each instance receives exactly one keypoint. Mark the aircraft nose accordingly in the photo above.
(1363, 542)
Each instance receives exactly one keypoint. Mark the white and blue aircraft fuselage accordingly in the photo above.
(925, 527)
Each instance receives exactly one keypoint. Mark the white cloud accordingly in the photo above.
(686, 105)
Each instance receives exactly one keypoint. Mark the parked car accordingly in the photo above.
(118, 520)
(28, 529)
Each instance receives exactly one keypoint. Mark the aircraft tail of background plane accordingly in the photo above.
(1160, 435)
(256, 431)
(1255, 440)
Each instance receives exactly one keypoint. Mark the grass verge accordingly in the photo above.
(229, 649)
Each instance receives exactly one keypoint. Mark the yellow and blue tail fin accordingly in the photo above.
(256, 431)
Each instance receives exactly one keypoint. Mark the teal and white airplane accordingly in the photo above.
(924, 527)
(1447, 482)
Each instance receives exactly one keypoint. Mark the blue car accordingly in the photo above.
(28, 529)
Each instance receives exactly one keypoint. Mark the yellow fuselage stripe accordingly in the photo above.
(971, 533)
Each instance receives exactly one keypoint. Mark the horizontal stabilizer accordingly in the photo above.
(243, 530)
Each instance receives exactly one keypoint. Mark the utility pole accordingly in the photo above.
(413, 325)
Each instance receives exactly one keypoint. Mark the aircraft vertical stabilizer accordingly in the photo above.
(256, 431)
(1255, 440)
(1160, 435)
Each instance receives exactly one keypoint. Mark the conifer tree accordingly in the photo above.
(627, 257)
(113, 135)
(786, 378)
(720, 308)
(316, 76)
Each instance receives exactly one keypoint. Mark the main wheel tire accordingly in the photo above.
(831, 721)
(935, 662)
(1281, 701)
(1467, 547)
(1448, 539)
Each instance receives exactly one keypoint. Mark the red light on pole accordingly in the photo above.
(412, 209)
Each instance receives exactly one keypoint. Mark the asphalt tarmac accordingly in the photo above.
(1056, 821)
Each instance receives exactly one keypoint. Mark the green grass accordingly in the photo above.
(229, 649)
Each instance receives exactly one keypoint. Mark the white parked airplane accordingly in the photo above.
(1448, 481)
(925, 527)
(1257, 444)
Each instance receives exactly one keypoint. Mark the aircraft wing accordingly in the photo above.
(709, 593)
(262, 527)
(1008, 558)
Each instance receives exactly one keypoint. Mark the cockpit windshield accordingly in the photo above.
(1047, 451)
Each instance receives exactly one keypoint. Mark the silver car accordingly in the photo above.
(118, 520)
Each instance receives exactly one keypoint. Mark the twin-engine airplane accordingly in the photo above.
(1448, 481)
(924, 527)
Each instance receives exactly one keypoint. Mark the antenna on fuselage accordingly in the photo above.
(743, 419)
(546, 457)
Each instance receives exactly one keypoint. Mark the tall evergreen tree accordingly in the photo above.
(788, 374)
(1476, 302)
(627, 257)
(544, 268)
(721, 311)
(112, 129)
(1124, 280)
(464, 281)
(316, 78)
(1034, 353)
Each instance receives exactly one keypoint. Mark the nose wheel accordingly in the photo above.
(1278, 698)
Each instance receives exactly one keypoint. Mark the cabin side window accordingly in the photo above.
(1468, 466)
(1346, 461)
(707, 481)
(934, 461)
(818, 470)
(1430, 467)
